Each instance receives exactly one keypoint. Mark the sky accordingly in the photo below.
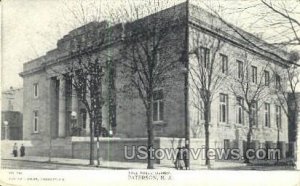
(30, 29)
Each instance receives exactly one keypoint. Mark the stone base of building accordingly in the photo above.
(128, 149)
(111, 149)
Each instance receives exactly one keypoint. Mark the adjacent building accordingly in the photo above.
(12, 108)
(49, 101)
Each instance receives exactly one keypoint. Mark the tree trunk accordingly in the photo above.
(294, 133)
(278, 144)
(98, 151)
(150, 135)
(206, 126)
(246, 160)
(50, 149)
(99, 123)
(91, 142)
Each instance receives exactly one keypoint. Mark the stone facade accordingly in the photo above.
(54, 108)
(231, 134)
(48, 108)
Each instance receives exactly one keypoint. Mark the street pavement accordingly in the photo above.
(37, 162)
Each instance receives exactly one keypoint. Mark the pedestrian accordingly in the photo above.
(15, 150)
(185, 157)
(179, 159)
(22, 150)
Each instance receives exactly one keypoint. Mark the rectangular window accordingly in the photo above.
(223, 108)
(267, 78)
(226, 144)
(267, 115)
(240, 110)
(254, 112)
(277, 81)
(224, 64)
(278, 116)
(35, 90)
(204, 56)
(83, 117)
(158, 105)
(254, 74)
(35, 121)
(240, 69)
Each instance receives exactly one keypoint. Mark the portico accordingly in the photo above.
(73, 118)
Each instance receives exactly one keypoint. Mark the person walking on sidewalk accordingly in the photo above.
(15, 150)
(179, 159)
(22, 150)
(185, 152)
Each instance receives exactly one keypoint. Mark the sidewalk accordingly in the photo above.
(79, 162)
(120, 165)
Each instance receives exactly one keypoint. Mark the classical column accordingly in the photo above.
(74, 110)
(62, 108)
(74, 100)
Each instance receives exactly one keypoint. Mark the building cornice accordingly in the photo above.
(237, 41)
(65, 56)
(32, 71)
(236, 35)
(65, 52)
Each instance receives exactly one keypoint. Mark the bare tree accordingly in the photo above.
(84, 72)
(286, 97)
(249, 86)
(207, 73)
(282, 16)
(143, 42)
(147, 63)
(90, 66)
